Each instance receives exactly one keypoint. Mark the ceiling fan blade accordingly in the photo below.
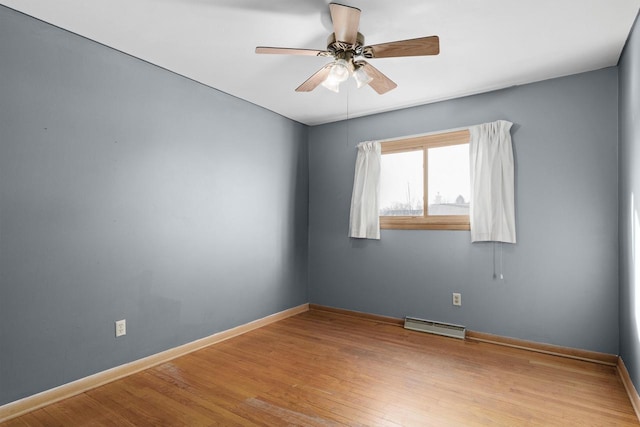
(312, 82)
(380, 83)
(346, 20)
(291, 51)
(414, 47)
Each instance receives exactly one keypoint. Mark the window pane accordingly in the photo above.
(402, 184)
(449, 187)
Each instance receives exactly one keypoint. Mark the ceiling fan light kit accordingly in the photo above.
(361, 77)
(338, 72)
(346, 46)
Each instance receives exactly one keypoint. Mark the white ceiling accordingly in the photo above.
(485, 44)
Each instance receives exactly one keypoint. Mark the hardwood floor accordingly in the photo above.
(319, 368)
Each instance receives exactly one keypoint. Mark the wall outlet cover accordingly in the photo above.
(121, 327)
(457, 299)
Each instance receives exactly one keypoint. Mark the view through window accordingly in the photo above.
(448, 180)
(432, 168)
(402, 184)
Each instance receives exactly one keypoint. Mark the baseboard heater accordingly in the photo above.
(438, 328)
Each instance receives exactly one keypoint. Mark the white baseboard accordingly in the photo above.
(31, 403)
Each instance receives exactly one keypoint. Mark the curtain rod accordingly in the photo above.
(417, 135)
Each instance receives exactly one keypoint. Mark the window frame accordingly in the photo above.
(426, 221)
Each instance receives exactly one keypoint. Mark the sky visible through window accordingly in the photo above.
(401, 186)
(449, 174)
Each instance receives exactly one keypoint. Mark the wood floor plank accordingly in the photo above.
(37, 418)
(324, 368)
(76, 410)
(16, 422)
(186, 401)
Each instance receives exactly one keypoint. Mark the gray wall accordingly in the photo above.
(560, 280)
(630, 205)
(130, 192)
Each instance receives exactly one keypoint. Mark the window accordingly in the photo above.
(424, 182)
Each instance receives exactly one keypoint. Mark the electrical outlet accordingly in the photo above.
(121, 327)
(457, 299)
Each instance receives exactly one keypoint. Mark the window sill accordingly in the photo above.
(425, 223)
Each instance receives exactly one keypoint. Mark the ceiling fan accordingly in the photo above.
(346, 46)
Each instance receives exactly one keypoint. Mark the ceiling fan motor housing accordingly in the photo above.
(343, 50)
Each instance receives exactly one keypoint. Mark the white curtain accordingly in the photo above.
(364, 220)
(492, 207)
